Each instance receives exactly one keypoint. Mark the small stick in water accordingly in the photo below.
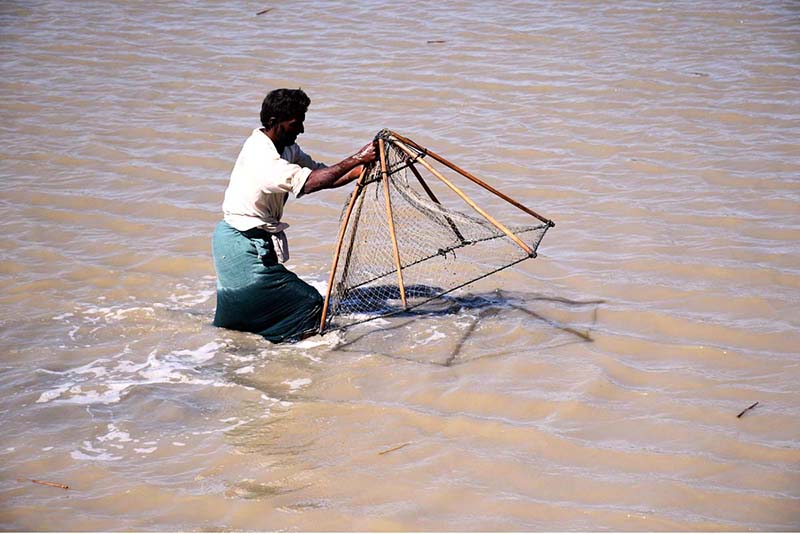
(265, 11)
(436, 41)
(51, 484)
(747, 409)
(394, 448)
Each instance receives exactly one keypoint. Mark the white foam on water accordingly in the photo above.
(117, 439)
(73, 331)
(114, 434)
(236, 423)
(52, 394)
(192, 299)
(435, 335)
(95, 368)
(87, 451)
(204, 353)
(319, 285)
(90, 318)
(107, 381)
(308, 356)
(242, 359)
(297, 383)
(187, 296)
(95, 314)
(327, 340)
(371, 320)
(110, 379)
(84, 396)
(104, 457)
(101, 313)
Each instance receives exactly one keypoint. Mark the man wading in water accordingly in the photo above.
(255, 292)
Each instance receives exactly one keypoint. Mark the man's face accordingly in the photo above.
(290, 129)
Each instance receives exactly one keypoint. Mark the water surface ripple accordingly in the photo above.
(594, 388)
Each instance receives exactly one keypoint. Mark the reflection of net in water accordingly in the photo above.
(394, 219)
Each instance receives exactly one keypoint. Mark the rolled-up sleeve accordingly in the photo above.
(280, 176)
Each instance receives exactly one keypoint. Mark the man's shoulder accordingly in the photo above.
(260, 143)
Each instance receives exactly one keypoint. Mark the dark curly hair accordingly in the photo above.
(283, 104)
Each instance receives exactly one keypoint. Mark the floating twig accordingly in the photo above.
(51, 484)
(436, 41)
(265, 11)
(747, 409)
(393, 449)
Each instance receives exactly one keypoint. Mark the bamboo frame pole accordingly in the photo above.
(382, 154)
(469, 201)
(427, 189)
(474, 178)
(338, 250)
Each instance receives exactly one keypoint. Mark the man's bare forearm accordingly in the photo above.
(351, 175)
(340, 174)
(329, 177)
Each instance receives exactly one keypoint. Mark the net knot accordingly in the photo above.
(444, 251)
(384, 134)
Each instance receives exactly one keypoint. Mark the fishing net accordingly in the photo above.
(394, 218)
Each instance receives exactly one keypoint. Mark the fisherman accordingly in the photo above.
(255, 292)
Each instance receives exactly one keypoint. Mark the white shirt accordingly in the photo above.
(261, 181)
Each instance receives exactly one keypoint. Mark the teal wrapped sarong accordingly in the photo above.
(257, 294)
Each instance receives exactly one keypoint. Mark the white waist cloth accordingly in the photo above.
(281, 246)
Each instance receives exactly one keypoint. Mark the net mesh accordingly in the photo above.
(440, 249)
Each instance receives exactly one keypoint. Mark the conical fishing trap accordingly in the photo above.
(400, 248)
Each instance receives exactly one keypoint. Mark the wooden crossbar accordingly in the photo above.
(500, 226)
(471, 177)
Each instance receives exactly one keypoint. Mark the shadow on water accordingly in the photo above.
(478, 308)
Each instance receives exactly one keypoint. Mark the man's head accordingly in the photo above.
(283, 112)
(283, 104)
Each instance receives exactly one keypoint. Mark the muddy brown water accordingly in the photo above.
(596, 387)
